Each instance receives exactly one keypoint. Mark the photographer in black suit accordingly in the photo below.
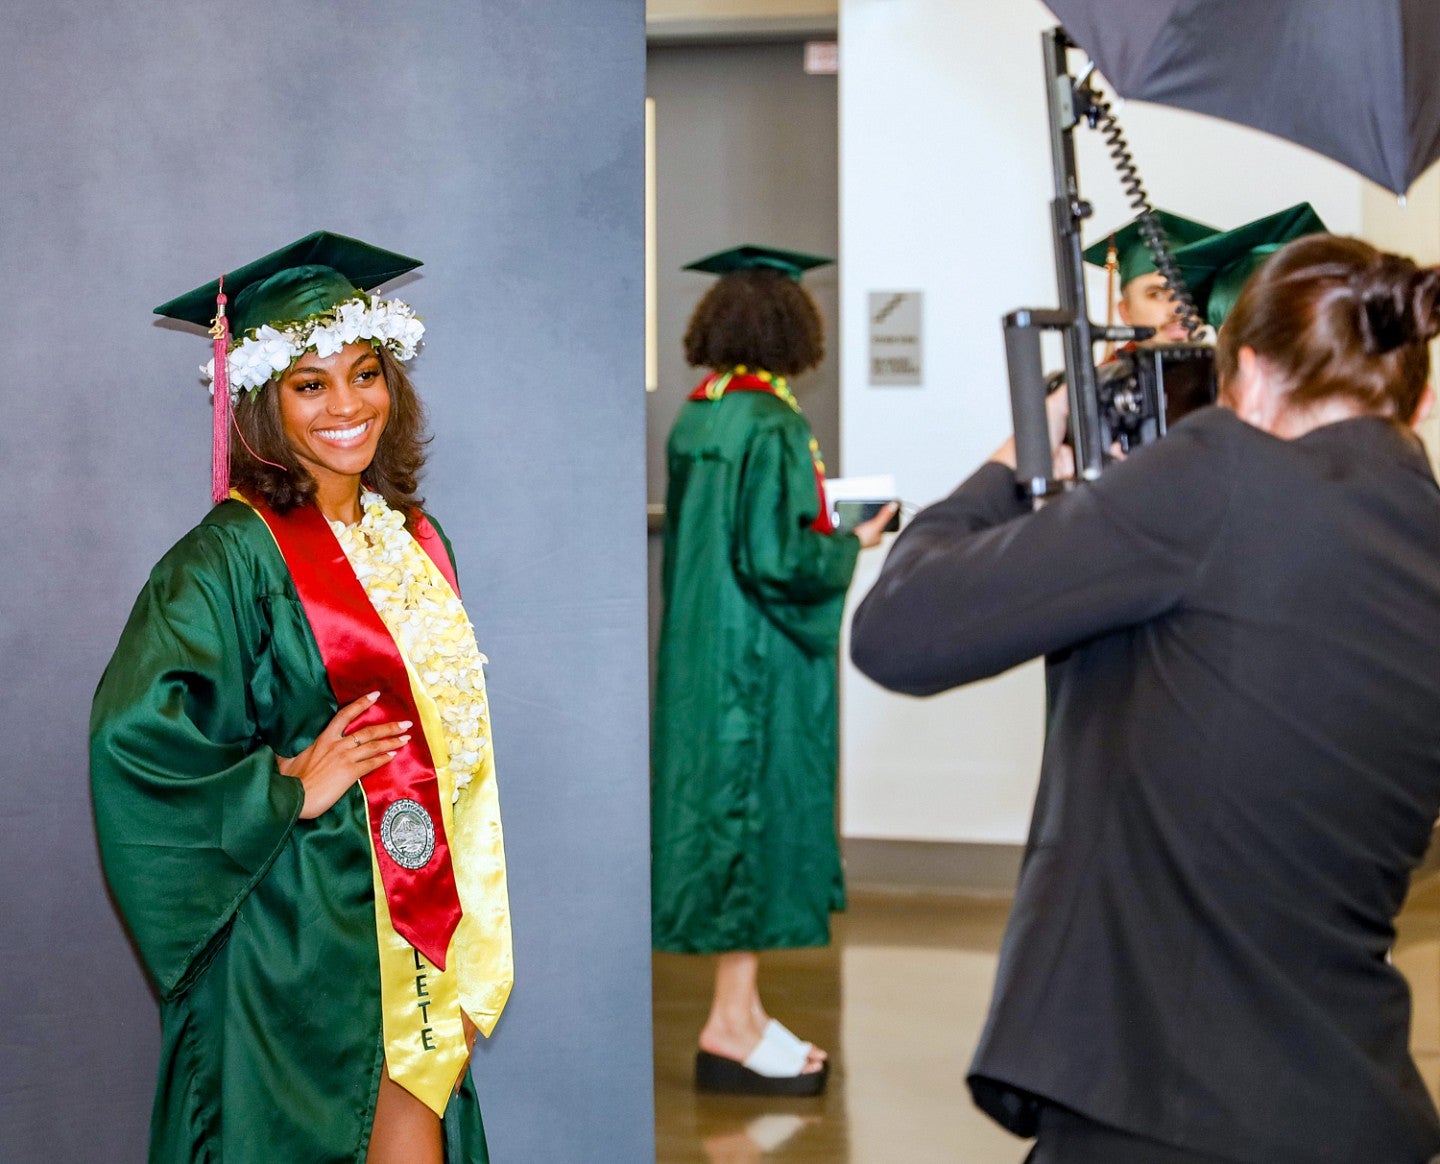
(1243, 761)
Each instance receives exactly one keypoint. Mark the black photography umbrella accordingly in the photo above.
(1355, 80)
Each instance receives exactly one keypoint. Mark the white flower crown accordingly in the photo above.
(267, 350)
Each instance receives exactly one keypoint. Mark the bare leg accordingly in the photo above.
(737, 1017)
(405, 1130)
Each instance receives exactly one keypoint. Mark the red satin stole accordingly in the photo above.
(360, 656)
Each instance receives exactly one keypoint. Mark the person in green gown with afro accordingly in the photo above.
(290, 758)
(744, 851)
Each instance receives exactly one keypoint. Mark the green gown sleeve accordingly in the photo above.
(798, 576)
(190, 807)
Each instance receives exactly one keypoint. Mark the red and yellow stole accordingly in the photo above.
(417, 904)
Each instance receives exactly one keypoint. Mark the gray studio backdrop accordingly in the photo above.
(149, 145)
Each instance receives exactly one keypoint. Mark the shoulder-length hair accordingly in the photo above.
(759, 317)
(285, 484)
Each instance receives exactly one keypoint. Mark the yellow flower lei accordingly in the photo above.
(429, 624)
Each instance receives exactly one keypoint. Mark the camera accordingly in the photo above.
(1146, 389)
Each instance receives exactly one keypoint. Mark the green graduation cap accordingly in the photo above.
(1217, 268)
(304, 291)
(749, 257)
(310, 275)
(1133, 255)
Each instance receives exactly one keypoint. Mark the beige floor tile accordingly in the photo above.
(1417, 956)
(899, 1000)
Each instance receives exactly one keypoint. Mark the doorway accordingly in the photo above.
(746, 151)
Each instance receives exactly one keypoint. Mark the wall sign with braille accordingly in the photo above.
(895, 351)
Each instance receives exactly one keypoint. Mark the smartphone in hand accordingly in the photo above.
(852, 512)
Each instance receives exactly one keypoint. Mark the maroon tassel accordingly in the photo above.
(220, 431)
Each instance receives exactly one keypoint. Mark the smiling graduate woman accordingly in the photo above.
(291, 761)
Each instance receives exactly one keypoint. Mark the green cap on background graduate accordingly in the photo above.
(1217, 268)
(750, 257)
(1131, 257)
(310, 295)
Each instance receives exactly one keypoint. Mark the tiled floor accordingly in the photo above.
(1417, 954)
(898, 1000)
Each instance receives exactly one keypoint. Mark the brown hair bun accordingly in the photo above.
(1335, 318)
(1397, 304)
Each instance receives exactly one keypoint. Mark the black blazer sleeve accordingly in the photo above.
(978, 583)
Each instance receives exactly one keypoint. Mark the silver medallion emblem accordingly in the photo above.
(408, 834)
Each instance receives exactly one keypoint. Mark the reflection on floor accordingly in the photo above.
(899, 1000)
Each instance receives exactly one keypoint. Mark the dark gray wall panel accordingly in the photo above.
(149, 145)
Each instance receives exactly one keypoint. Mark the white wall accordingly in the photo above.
(945, 187)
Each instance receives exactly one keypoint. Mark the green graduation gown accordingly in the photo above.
(744, 851)
(257, 928)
